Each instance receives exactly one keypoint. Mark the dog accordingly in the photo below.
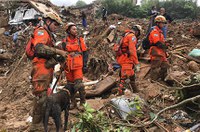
(53, 106)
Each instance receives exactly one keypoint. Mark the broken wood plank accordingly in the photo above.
(100, 38)
(189, 57)
(101, 87)
(180, 47)
(161, 126)
(16, 66)
(111, 36)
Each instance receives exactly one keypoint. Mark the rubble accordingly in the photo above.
(16, 96)
(193, 66)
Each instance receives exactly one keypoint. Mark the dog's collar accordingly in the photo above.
(66, 90)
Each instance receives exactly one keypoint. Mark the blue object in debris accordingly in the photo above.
(6, 33)
(15, 37)
(195, 53)
(115, 66)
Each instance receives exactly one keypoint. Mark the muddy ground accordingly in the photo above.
(16, 95)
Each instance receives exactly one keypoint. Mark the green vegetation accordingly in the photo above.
(96, 121)
(178, 9)
(80, 3)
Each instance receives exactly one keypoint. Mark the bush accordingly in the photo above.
(178, 9)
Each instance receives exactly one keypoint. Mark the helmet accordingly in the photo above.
(139, 28)
(161, 19)
(54, 17)
(69, 25)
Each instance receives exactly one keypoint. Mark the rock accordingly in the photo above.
(193, 66)
(196, 30)
(151, 91)
(2, 30)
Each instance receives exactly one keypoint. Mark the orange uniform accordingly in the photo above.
(74, 61)
(159, 63)
(41, 76)
(156, 53)
(128, 57)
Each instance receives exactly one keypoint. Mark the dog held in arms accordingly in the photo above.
(54, 105)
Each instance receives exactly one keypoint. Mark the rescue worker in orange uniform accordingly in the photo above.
(159, 63)
(127, 58)
(43, 64)
(76, 63)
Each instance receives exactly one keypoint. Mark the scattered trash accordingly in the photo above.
(195, 128)
(195, 53)
(125, 106)
(180, 115)
(2, 51)
(112, 26)
(29, 119)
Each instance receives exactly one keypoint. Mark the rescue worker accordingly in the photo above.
(43, 64)
(159, 63)
(76, 63)
(104, 15)
(127, 58)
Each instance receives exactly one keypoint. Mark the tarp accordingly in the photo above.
(30, 14)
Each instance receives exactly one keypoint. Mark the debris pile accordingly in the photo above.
(157, 104)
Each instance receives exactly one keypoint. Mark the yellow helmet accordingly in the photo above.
(161, 19)
(139, 28)
(54, 17)
(69, 25)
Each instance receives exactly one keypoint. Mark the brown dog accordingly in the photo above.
(54, 105)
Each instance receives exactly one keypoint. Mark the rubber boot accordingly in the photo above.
(163, 70)
(133, 84)
(36, 125)
(80, 87)
(154, 74)
(82, 94)
(121, 87)
(73, 102)
(70, 87)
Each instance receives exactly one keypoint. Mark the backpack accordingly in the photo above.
(119, 50)
(30, 49)
(145, 42)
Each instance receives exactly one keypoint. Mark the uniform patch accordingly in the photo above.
(40, 33)
(133, 38)
(156, 35)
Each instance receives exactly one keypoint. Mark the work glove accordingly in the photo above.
(50, 63)
(61, 52)
(60, 58)
(137, 68)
